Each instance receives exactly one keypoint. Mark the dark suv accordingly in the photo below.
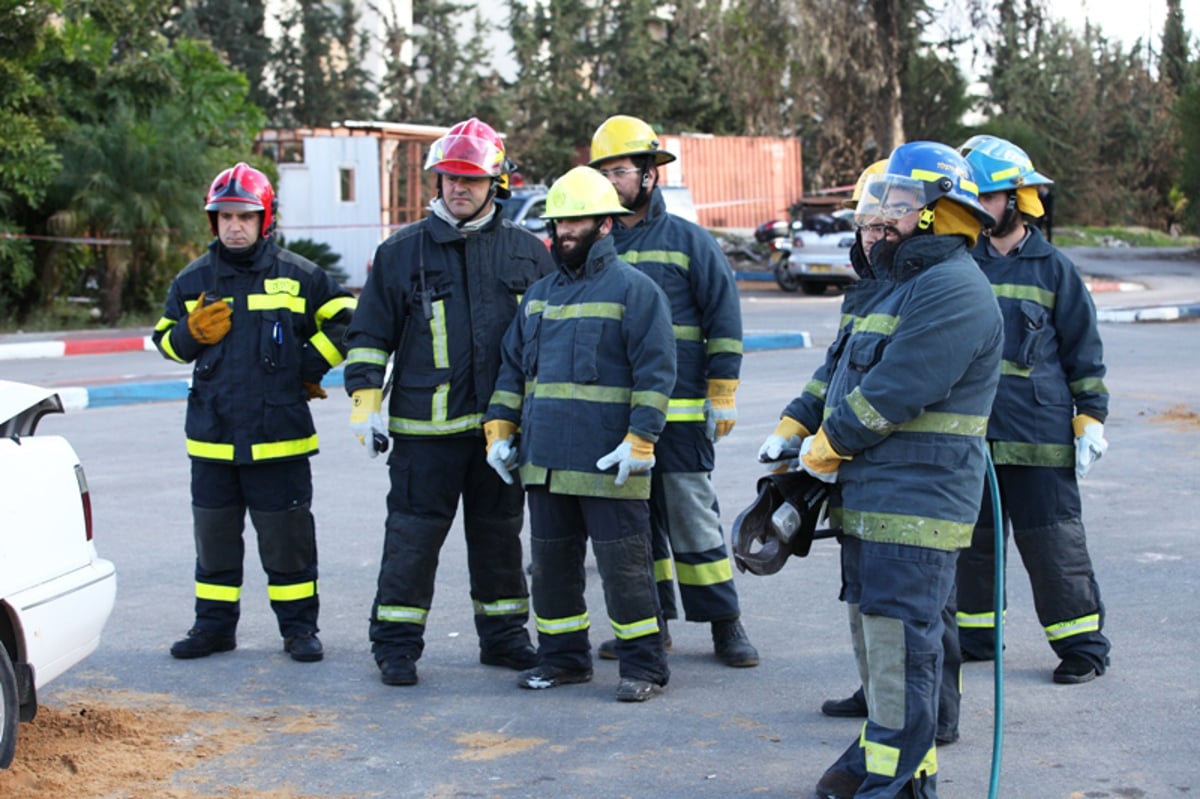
(525, 207)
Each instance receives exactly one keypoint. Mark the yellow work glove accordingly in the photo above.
(720, 410)
(314, 391)
(819, 458)
(789, 434)
(209, 323)
(634, 454)
(366, 419)
(1090, 443)
(501, 454)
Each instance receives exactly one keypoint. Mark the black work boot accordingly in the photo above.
(546, 676)
(202, 643)
(731, 645)
(837, 784)
(1075, 669)
(304, 647)
(608, 649)
(518, 658)
(398, 670)
(852, 707)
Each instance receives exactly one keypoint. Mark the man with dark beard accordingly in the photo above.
(587, 368)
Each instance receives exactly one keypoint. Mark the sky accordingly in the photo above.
(1125, 21)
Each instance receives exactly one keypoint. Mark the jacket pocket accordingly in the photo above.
(531, 329)
(1035, 330)
(277, 348)
(286, 416)
(585, 367)
(864, 352)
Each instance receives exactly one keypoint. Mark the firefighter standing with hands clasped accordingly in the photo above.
(440, 296)
(263, 326)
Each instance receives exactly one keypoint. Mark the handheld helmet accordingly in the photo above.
(582, 192)
(472, 149)
(1000, 165)
(874, 169)
(780, 523)
(242, 188)
(621, 136)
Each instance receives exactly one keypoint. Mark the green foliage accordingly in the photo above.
(318, 66)
(1187, 112)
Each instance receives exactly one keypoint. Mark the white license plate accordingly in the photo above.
(820, 268)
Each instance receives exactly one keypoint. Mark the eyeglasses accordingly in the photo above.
(874, 230)
(619, 173)
(896, 211)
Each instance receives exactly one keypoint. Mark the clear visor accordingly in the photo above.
(890, 197)
(465, 155)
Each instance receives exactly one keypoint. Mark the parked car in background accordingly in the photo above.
(526, 205)
(56, 593)
(820, 256)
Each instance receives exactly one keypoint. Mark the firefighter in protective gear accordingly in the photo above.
(792, 433)
(587, 371)
(1046, 427)
(438, 301)
(901, 406)
(263, 326)
(686, 263)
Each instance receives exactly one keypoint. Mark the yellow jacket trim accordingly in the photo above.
(291, 593)
(283, 449)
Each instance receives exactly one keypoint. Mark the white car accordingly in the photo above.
(56, 593)
(820, 256)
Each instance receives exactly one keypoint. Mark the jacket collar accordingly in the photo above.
(602, 253)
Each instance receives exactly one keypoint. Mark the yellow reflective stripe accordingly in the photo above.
(884, 324)
(213, 452)
(165, 340)
(367, 355)
(951, 424)
(434, 427)
(329, 351)
(437, 328)
(664, 570)
(719, 571)
(291, 593)
(1065, 629)
(282, 285)
(687, 332)
(673, 257)
(401, 613)
(881, 758)
(535, 307)
(1017, 291)
(723, 345)
(583, 391)
(928, 765)
(506, 399)
(164, 323)
(283, 449)
(902, 528)
(685, 410)
(218, 593)
(1011, 369)
(272, 302)
(585, 310)
(588, 484)
(816, 388)
(567, 624)
(1003, 174)
(635, 629)
(866, 414)
(501, 607)
(440, 403)
(1094, 385)
(651, 399)
(333, 308)
(976, 621)
(1021, 454)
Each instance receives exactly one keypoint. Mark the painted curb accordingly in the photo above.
(1162, 313)
(63, 347)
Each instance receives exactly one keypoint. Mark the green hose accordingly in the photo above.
(998, 604)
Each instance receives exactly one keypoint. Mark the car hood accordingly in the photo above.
(22, 405)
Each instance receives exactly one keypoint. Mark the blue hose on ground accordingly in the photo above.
(998, 606)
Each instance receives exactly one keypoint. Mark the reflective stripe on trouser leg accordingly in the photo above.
(404, 591)
(287, 545)
(557, 546)
(219, 553)
(686, 504)
(493, 513)
(902, 592)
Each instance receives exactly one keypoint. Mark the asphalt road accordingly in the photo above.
(467, 731)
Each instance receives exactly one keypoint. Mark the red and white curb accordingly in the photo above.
(59, 348)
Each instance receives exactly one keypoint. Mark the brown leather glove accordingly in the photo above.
(314, 391)
(209, 323)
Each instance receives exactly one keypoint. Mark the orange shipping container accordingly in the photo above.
(736, 181)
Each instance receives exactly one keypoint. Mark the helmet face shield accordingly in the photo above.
(890, 197)
(464, 155)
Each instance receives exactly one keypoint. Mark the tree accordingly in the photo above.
(234, 28)
(1174, 60)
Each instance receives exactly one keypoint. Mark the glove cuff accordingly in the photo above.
(1082, 421)
(823, 450)
(498, 430)
(720, 388)
(639, 448)
(369, 400)
(789, 427)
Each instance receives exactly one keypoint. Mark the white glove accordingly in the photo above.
(773, 447)
(1089, 447)
(824, 477)
(626, 461)
(713, 417)
(366, 420)
(368, 430)
(502, 456)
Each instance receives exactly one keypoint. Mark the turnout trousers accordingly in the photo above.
(895, 596)
(428, 478)
(1041, 507)
(620, 532)
(278, 496)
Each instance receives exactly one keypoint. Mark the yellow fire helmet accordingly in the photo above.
(582, 192)
(621, 136)
(874, 169)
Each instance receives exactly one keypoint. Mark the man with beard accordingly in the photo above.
(686, 263)
(439, 298)
(898, 419)
(586, 373)
(1048, 417)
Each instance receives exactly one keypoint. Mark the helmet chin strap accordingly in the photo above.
(1008, 221)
